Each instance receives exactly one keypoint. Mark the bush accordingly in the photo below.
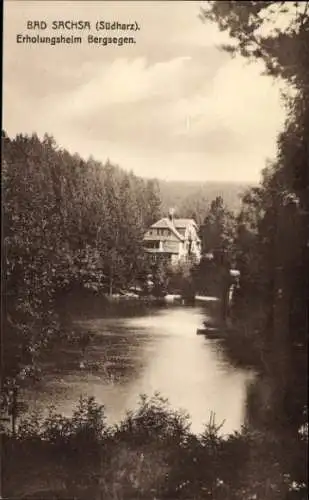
(150, 454)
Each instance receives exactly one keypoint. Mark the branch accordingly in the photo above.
(304, 14)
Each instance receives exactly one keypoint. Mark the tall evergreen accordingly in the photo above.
(68, 224)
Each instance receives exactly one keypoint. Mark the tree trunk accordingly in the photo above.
(285, 260)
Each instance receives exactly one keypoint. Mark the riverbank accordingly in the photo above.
(243, 336)
(150, 455)
(83, 301)
(131, 296)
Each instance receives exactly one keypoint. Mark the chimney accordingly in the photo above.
(171, 213)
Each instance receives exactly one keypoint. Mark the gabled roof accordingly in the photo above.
(161, 223)
(165, 223)
(181, 223)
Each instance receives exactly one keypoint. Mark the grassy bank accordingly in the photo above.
(151, 454)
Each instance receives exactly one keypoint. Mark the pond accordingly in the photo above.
(147, 350)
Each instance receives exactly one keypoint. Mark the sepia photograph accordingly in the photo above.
(154, 250)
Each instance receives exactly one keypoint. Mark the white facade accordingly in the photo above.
(174, 239)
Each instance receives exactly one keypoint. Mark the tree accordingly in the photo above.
(278, 211)
(152, 202)
(70, 226)
(218, 228)
(284, 52)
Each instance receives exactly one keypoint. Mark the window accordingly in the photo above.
(152, 244)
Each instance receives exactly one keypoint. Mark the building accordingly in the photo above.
(172, 239)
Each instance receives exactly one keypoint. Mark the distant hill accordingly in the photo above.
(190, 198)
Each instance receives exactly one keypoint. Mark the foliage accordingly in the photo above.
(69, 224)
(180, 278)
(256, 33)
(218, 237)
(176, 278)
(218, 228)
(86, 425)
(153, 420)
(150, 454)
(272, 227)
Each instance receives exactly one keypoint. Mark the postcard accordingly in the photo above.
(154, 250)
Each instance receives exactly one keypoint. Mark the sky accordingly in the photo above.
(172, 105)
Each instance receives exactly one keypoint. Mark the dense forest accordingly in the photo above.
(71, 223)
(68, 224)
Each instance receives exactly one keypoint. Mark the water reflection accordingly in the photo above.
(157, 350)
